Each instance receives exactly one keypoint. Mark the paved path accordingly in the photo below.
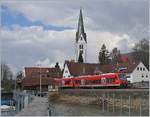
(38, 107)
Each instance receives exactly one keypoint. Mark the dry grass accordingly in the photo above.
(87, 100)
(53, 96)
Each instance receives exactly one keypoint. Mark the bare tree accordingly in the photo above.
(141, 52)
(6, 73)
(6, 77)
(115, 55)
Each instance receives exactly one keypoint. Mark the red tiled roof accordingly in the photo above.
(35, 71)
(127, 57)
(78, 69)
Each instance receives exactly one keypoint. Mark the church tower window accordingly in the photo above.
(81, 46)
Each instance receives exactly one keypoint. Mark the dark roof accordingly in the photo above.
(78, 69)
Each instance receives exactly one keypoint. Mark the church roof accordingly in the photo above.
(80, 29)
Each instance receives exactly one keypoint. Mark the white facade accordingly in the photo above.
(139, 74)
(81, 46)
(66, 72)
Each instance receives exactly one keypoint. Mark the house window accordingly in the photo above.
(138, 68)
(146, 76)
(143, 69)
(66, 71)
(142, 75)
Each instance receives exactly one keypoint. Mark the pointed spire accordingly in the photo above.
(80, 23)
(80, 27)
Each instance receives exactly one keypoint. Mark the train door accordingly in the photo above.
(82, 82)
(103, 80)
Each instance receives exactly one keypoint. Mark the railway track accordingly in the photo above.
(110, 90)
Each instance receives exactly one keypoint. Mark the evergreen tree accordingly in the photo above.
(80, 60)
(57, 65)
(103, 55)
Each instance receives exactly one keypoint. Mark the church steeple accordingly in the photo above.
(81, 41)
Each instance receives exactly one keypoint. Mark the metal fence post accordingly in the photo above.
(103, 103)
(113, 103)
(140, 107)
(108, 103)
(121, 105)
(129, 105)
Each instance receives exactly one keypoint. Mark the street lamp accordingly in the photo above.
(40, 79)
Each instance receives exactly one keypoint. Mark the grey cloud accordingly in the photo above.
(118, 16)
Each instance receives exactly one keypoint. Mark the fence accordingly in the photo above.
(119, 102)
(21, 101)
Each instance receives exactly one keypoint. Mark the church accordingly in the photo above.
(81, 41)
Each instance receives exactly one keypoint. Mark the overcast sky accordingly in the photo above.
(45, 31)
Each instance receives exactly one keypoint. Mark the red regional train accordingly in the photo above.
(109, 80)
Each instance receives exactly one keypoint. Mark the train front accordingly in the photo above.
(123, 80)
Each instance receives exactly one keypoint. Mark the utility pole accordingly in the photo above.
(40, 79)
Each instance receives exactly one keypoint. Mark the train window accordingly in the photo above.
(92, 81)
(110, 80)
(122, 76)
(67, 82)
(78, 82)
(87, 82)
(98, 81)
(103, 80)
(82, 81)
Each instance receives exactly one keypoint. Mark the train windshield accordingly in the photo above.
(122, 76)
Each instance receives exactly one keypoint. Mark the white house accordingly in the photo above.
(66, 72)
(138, 74)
